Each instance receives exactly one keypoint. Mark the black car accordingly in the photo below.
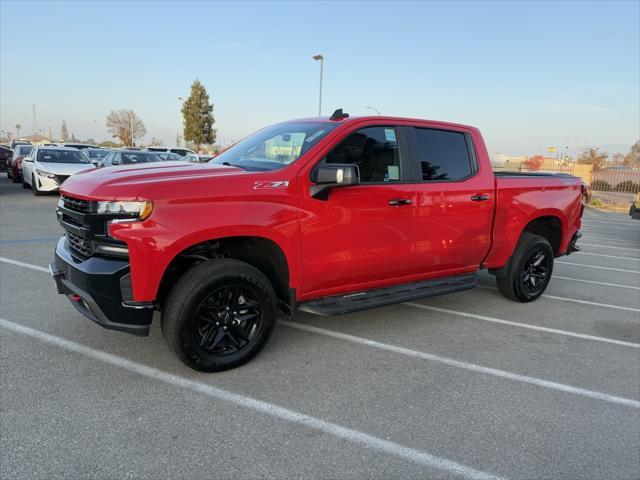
(5, 155)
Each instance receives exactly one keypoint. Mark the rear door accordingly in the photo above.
(455, 200)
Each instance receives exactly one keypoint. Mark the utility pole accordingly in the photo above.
(34, 121)
(320, 58)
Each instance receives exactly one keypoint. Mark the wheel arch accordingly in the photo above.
(261, 252)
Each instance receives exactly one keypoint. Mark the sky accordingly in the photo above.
(529, 74)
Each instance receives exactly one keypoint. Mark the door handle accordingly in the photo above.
(479, 198)
(398, 202)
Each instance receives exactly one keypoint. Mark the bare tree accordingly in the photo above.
(64, 132)
(594, 157)
(125, 125)
(155, 142)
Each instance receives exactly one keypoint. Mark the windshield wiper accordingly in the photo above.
(234, 165)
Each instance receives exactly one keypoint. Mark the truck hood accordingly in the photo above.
(127, 182)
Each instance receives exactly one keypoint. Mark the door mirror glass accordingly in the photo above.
(334, 175)
(28, 159)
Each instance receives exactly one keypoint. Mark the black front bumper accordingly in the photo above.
(96, 286)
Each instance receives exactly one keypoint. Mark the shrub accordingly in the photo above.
(596, 202)
(601, 186)
(628, 186)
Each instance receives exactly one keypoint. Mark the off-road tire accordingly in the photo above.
(186, 297)
(511, 283)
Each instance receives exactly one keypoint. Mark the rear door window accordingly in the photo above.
(443, 154)
(374, 150)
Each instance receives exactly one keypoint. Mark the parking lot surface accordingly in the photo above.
(469, 385)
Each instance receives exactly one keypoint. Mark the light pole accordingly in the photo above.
(374, 109)
(181, 100)
(321, 58)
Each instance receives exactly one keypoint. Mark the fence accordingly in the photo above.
(611, 186)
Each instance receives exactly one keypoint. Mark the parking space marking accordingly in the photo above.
(23, 264)
(598, 266)
(617, 285)
(607, 256)
(355, 436)
(575, 300)
(627, 402)
(586, 235)
(606, 228)
(609, 246)
(626, 222)
(523, 325)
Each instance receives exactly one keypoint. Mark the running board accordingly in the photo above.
(353, 302)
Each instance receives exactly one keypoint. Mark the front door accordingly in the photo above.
(361, 237)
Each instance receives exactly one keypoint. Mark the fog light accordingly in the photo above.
(112, 249)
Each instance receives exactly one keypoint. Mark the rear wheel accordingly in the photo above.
(529, 271)
(219, 315)
(25, 184)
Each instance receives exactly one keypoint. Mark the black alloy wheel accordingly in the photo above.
(227, 320)
(535, 270)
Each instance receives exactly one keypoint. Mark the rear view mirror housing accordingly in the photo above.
(332, 175)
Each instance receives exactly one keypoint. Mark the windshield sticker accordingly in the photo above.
(390, 134)
(314, 136)
(393, 172)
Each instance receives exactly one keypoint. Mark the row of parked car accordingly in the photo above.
(43, 168)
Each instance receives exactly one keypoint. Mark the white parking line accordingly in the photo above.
(610, 239)
(523, 325)
(609, 246)
(627, 402)
(25, 265)
(374, 443)
(607, 256)
(606, 228)
(617, 285)
(627, 223)
(597, 266)
(575, 300)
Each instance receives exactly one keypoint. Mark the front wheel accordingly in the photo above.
(34, 187)
(219, 315)
(529, 271)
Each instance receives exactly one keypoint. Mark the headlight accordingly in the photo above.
(141, 210)
(45, 174)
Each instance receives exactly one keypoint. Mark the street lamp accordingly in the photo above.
(374, 109)
(181, 100)
(321, 59)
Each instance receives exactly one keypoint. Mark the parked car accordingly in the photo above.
(327, 216)
(191, 157)
(179, 150)
(5, 156)
(95, 155)
(128, 157)
(634, 210)
(205, 158)
(169, 157)
(14, 170)
(79, 146)
(15, 143)
(46, 168)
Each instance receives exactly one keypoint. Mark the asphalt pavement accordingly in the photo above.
(469, 385)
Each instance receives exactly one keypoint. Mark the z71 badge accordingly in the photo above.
(260, 184)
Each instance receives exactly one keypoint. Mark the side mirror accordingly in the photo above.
(332, 175)
(27, 159)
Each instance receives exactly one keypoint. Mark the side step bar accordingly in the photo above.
(353, 302)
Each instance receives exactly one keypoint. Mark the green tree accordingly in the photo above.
(594, 157)
(64, 132)
(125, 125)
(633, 157)
(198, 116)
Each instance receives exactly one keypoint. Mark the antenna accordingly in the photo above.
(339, 115)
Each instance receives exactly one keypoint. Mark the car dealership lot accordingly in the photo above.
(464, 385)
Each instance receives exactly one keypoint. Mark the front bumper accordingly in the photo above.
(100, 289)
(48, 184)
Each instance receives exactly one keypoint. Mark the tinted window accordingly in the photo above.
(443, 155)
(23, 150)
(374, 150)
(62, 156)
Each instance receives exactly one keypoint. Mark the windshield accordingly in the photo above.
(62, 156)
(96, 153)
(24, 150)
(139, 157)
(274, 147)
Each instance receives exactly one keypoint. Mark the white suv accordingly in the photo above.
(46, 168)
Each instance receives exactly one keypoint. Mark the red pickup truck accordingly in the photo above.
(325, 215)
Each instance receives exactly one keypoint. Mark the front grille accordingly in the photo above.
(72, 221)
(76, 204)
(61, 178)
(81, 246)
